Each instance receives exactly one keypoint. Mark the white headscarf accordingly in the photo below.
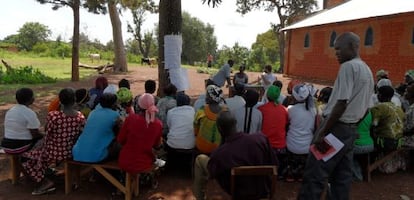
(384, 82)
(111, 88)
(305, 92)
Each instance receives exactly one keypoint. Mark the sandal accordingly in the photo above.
(43, 191)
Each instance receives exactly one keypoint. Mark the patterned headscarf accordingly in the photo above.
(215, 93)
(124, 95)
(273, 93)
(146, 102)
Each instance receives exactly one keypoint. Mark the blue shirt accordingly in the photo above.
(92, 145)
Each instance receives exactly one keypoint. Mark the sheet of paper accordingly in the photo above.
(179, 77)
(335, 146)
(172, 51)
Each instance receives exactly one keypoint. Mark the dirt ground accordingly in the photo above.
(177, 185)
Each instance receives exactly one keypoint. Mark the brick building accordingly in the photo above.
(386, 29)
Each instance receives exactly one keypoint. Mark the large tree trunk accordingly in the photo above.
(170, 23)
(75, 41)
(119, 49)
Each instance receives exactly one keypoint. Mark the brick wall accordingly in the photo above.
(392, 48)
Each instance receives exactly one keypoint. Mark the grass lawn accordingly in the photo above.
(58, 68)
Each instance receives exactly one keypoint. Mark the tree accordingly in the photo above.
(120, 61)
(170, 23)
(30, 34)
(144, 42)
(267, 43)
(287, 12)
(198, 39)
(75, 6)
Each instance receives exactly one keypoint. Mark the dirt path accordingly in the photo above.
(178, 186)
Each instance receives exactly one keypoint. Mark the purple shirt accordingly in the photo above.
(242, 149)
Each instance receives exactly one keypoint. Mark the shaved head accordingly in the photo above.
(346, 47)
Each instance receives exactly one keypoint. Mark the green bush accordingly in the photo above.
(205, 70)
(24, 75)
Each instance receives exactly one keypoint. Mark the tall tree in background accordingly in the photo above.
(198, 39)
(120, 62)
(170, 23)
(30, 34)
(75, 6)
(287, 11)
(268, 43)
(144, 41)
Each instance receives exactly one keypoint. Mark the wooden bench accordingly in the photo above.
(15, 166)
(73, 170)
(371, 166)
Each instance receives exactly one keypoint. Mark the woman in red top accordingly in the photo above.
(139, 134)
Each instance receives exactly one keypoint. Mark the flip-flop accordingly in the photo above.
(45, 191)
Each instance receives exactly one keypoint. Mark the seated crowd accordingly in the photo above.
(108, 123)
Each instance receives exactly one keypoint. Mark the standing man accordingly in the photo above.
(223, 74)
(348, 103)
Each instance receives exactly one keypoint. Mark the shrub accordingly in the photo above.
(24, 75)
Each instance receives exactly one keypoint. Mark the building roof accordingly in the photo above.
(353, 10)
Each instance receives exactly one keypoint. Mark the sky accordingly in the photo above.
(229, 26)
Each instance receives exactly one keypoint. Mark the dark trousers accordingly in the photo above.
(337, 170)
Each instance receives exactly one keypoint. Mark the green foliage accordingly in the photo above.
(205, 70)
(24, 75)
(268, 44)
(30, 34)
(198, 40)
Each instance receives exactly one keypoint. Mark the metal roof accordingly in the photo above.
(353, 10)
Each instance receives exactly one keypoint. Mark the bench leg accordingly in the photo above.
(14, 168)
(68, 178)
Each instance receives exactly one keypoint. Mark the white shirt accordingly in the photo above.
(269, 77)
(17, 122)
(222, 75)
(302, 125)
(256, 123)
(234, 103)
(394, 99)
(355, 84)
(181, 132)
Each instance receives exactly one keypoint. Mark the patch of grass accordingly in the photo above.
(205, 70)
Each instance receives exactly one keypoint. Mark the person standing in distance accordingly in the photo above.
(223, 74)
(348, 104)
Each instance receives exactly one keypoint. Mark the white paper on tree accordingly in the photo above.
(172, 51)
(179, 77)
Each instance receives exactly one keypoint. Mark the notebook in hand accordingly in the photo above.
(335, 145)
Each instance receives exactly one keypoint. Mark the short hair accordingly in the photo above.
(210, 82)
(124, 83)
(170, 90)
(230, 62)
(386, 91)
(81, 95)
(324, 94)
(278, 84)
(107, 100)
(67, 96)
(226, 122)
(150, 86)
(239, 89)
(251, 97)
(183, 99)
(24, 95)
(268, 67)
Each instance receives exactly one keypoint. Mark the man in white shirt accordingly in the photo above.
(349, 101)
(223, 74)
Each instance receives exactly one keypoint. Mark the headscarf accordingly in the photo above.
(124, 95)
(410, 73)
(384, 82)
(305, 93)
(273, 93)
(215, 93)
(146, 102)
(111, 88)
(381, 73)
(101, 83)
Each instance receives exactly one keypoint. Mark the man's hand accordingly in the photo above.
(322, 146)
